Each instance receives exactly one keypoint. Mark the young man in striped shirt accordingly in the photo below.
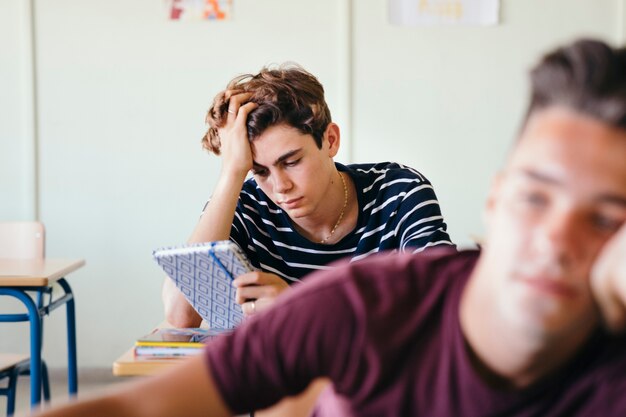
(301, 210)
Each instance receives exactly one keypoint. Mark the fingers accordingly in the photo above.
(256, 285)
(229, 93)
(253, 307)
(610, 303)
(254, 292)
(257, 278)
(249, 308)
(235, 100)
(249, 278)
(608, 282)
(244, 110)
(257, 291)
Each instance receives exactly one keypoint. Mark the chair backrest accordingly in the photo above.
(22, 240)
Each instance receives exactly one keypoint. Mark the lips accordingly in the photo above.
(291, 203)
(550, 286)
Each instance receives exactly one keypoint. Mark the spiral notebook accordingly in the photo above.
(203, 272)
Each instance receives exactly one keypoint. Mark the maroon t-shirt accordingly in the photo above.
(386, 331)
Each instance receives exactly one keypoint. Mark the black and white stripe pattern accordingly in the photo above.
(398, 211)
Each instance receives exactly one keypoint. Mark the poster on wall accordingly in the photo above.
(198, 9)
(443, 12)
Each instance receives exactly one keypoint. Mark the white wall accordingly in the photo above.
(16, 146)
(448, 100)
(121, 99)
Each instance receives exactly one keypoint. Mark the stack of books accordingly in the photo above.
(166, 343)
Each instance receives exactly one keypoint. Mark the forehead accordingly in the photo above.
(278, 140)
(573, 148)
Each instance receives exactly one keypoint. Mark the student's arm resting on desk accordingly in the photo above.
(186, 389)
(217, 218)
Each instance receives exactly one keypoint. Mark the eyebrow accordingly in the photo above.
(610, 198)
(280, 159)
(538, 176)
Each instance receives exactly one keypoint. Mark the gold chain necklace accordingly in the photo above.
(343, 209)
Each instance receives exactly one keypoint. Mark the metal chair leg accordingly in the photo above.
(45, 381)
(12, 387)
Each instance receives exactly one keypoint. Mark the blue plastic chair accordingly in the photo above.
(26, 240)
(10, 372)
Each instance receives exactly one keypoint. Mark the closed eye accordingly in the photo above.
(534, 198)
(260, 172)
(293, 162)
(606, 223)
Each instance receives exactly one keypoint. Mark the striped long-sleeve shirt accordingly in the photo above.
(398, 210)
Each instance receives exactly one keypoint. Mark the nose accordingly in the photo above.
(281, 183)
(561, 238)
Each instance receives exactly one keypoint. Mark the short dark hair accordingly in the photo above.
(587, 76)
(287, 94)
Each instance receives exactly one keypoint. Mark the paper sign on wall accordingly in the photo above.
(443, 12)
(198, 9)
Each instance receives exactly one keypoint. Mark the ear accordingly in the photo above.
(492, 198)
(333, 137)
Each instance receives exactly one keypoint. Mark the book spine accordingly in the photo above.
(171, 344)
(156, 352)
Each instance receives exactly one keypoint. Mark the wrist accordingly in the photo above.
(232, 175)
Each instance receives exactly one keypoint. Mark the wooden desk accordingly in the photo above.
(300, 406)
(129, 365)
(36, 272)
(17, 277)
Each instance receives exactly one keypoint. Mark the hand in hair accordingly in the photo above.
(608, 281)
(228, 134)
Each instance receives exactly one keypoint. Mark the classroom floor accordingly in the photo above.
(89, 381)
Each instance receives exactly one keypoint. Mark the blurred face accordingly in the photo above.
(292, 171)
(561, 197)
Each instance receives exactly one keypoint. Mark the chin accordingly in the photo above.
(296, 213)
(545, 318)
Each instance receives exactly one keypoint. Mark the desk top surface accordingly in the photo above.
(129, 365)
(35, 272)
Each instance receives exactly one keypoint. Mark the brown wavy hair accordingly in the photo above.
(287, 94)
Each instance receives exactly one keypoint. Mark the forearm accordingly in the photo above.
(178, 312)
(186, 389)
(215, 224)
(110, 405)
(216, 221)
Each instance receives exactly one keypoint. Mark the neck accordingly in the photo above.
(332, 222)
(507, 355)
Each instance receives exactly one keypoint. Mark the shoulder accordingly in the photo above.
(611, 359)
(386, 170)
(387, 177)
(608, 367)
